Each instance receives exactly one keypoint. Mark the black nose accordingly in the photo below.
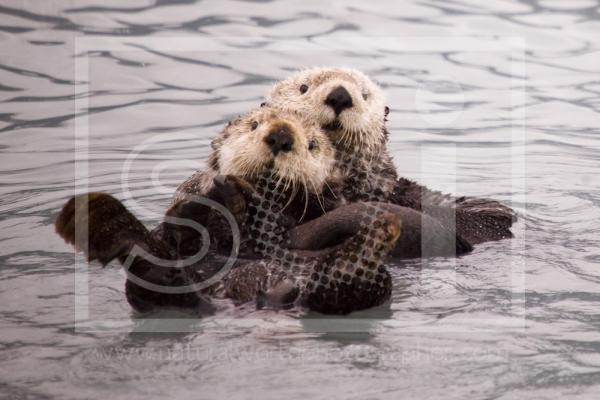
(280, 139)
(339, 99)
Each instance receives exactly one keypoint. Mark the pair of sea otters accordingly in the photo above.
(299, 205)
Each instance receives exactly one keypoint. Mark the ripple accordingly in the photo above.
(515, 318)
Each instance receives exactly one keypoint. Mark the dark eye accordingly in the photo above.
(312, 145)
(254, 125)
(365, 95)
(386, 110)
(303, 89)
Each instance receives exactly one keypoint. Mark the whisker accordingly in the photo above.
(318, 197)
(305, 200)
(292, 196)
(330, 189)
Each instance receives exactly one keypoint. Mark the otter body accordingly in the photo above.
(318, 145)
(288, 167)
(351, 109)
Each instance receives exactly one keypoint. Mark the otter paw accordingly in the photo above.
(236, 194)
(391, 226)
(283, 295)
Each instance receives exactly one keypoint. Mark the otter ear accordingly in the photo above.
(215, 144)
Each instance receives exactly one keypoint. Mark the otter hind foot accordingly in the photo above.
(100, 226)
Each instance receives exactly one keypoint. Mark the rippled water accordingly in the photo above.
(494, 98)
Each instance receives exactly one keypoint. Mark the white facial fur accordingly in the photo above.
(242, 151)
(361, 127)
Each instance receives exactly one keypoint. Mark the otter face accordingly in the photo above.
(298, 152)
(345, 102)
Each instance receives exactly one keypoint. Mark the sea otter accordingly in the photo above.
(351, 108)
(178, 263)
(335, 265)
(295, 150)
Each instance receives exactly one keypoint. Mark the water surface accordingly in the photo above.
(498, 99)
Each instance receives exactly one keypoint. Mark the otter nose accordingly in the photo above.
(280, 139)
(339, 99)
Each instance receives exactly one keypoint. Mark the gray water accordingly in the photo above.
(497, 98)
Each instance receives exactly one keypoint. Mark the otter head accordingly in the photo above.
(295, 151)
(345, 102)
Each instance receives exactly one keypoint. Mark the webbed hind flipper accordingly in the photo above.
(476, 220)
(476, 224)
(101, 227)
